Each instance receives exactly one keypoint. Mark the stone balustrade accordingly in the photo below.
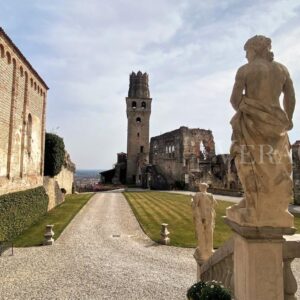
(220, 267)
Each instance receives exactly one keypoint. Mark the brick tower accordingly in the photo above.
(138, 111)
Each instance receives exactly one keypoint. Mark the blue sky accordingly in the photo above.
(85, 51)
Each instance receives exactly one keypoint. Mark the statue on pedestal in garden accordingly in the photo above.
(203, 204)
(260, 143)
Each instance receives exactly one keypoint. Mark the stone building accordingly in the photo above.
(184, 157)
(296, 171)
(138, 104)
(22, 120)
(117, 175)
(181, 156)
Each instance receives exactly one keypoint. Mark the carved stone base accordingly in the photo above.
(255, 232)
(258, 261)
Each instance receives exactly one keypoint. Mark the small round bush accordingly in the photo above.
(211, 290)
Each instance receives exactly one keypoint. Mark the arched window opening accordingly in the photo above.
(29, 134)
(21, 71)
(35, 86)
(143, 104)
(133, 104)
(138, 120)
(1, 51)
(8, 57)
(203, 154)
(138, 134)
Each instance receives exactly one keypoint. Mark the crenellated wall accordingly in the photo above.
(22, 120)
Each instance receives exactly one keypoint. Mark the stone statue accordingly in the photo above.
(260, 143)
(203, 204)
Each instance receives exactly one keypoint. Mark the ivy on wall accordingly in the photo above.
(21, 209)
(54, 154)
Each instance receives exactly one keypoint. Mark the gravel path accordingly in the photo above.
(87, 262)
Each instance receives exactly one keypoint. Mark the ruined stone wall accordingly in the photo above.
(65, 179)
(22, 120)
(53, 191)
(178, 154)
(296, 171)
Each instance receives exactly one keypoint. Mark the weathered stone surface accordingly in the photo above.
(178, 154)
(22, 120)
(260, 143)
(258, 272)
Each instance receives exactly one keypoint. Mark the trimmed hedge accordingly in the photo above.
(21, 209)
(54, 154)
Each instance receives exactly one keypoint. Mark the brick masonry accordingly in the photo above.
(22, 120)
(138, 105)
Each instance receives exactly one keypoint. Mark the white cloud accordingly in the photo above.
(191, 50)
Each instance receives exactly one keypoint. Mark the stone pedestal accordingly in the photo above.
(258, 262)
(49, 235)
(164, 234)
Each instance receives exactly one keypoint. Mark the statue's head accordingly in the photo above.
(258, 46)
(203, 187)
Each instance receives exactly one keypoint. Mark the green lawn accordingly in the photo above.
(153, 208)
(60, 217)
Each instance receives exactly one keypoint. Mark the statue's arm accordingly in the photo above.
(289, 99)
(238, 88)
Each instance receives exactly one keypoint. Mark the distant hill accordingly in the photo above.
(87, 173)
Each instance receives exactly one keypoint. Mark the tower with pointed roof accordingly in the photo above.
(138, 111)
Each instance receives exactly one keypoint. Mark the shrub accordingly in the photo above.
(54, 154)
(211, 290)
(19, 210)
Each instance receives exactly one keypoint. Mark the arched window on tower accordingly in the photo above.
(29, 134)
(138, 120)
(143, 104)
(133, 104)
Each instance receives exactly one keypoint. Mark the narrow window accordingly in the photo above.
(29, 134)
(138, 134)
(143, 104)
(8, 57)
(133, 104)
(142, 149)
(1, 51)
(138, 120)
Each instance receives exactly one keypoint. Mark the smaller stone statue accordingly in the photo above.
(203, 204)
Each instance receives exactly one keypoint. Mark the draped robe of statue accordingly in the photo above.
(260, 143)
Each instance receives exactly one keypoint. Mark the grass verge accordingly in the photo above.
(153, 208)
(60, 217)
